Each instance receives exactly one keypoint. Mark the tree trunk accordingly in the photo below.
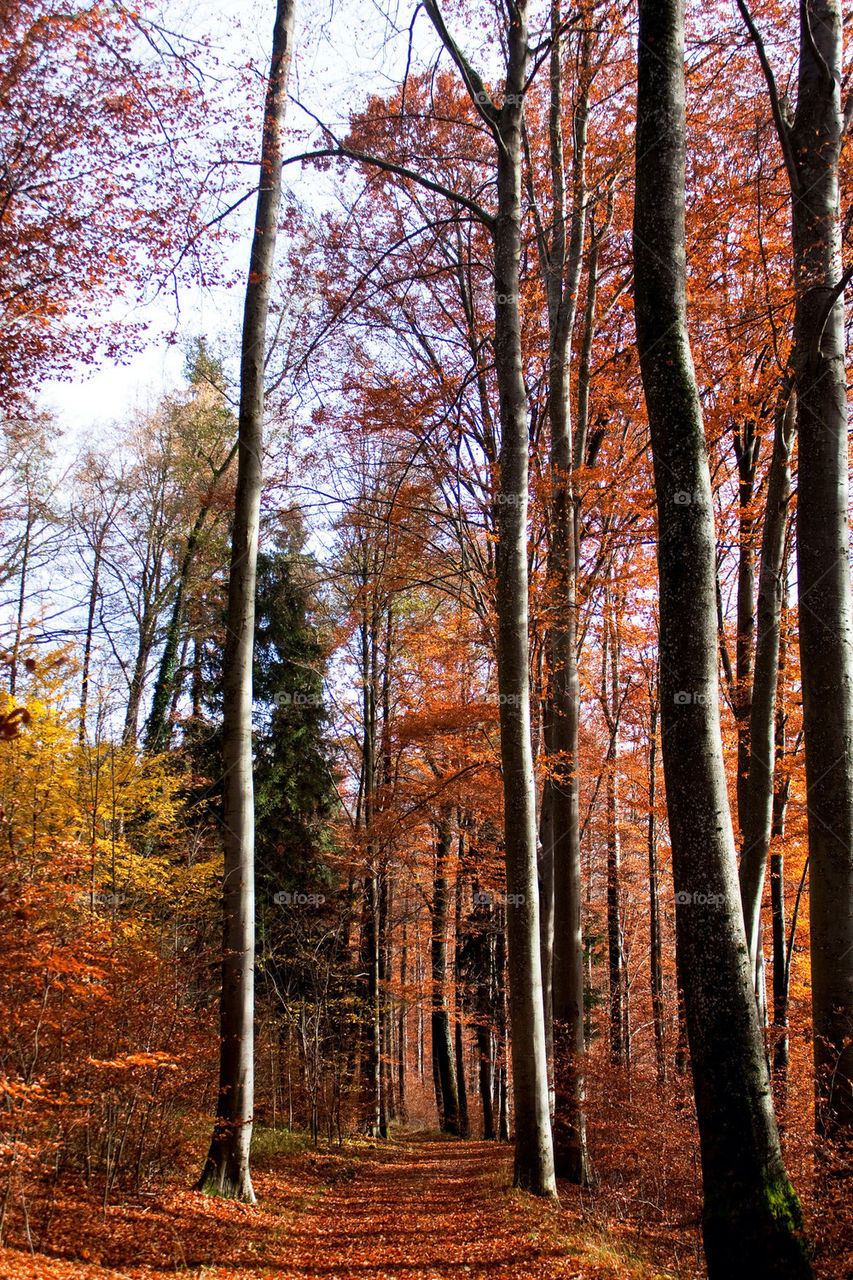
(781, 967)
(402, 1030)
(137, 680)
(442, 1040)
(94, 591)
(823, 550)
(655, 949)
(757, 819)
(458, 1036)
(534, 1156)
(226, 1171)
(546, 925)
(560, 266)
(386, 1100)
(752, 1223)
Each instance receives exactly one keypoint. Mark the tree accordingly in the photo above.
(811, 145)
(100, 187)
(226, 1170)
(534, 1157)
(751, 1223)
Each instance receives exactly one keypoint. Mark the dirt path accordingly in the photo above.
(415, 1209)
(425, 1212)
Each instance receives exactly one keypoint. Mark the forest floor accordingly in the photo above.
(419, 1207)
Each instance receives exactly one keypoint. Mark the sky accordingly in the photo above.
(344, 51)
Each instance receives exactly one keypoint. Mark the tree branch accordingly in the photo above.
(783, 131)
(340, 152)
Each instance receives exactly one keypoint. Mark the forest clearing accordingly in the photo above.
(426, 699)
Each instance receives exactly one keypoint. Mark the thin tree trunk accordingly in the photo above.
(137, 681)
(443, 1049)
(560, 266)
(158, 732)
(811, 147)
(752, 1223)
(402, 1029)
(386, 1101)
(458, 1036)
(757, 820)
(823, 558)
(781, 967)
(534, 1156)
(226, 1171)
(656, 949)
(546, 923)
(94, 591)
(22, 593)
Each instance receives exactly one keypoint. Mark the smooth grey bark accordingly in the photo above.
(560, 259)
(458, 1031)
(402, 1027)
(546, 924)
(823, 559)
(383, 1005)
(483, 940)
(655, 943)
(619, 1027)
(94, 593)
(144, 648)
(226, 1171)
(811, 146)
(442, 1039)
(746, 446)
(751, 1220)
(534, 1158)
(781, 954)
(157, 730)
(758, 804)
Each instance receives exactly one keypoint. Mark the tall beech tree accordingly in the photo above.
(561, 258)
(811, 145)
(226, 1170)
(758, 817)
(751, 1221)
(534, 1156)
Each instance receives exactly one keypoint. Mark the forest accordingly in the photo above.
(426, 718)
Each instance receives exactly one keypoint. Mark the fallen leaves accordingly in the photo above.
(414, 1208)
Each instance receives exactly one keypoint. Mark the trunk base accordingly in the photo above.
(226, 1177)
(758, 1236)
(228, 1184)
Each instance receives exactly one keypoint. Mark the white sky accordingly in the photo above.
(344, 51)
